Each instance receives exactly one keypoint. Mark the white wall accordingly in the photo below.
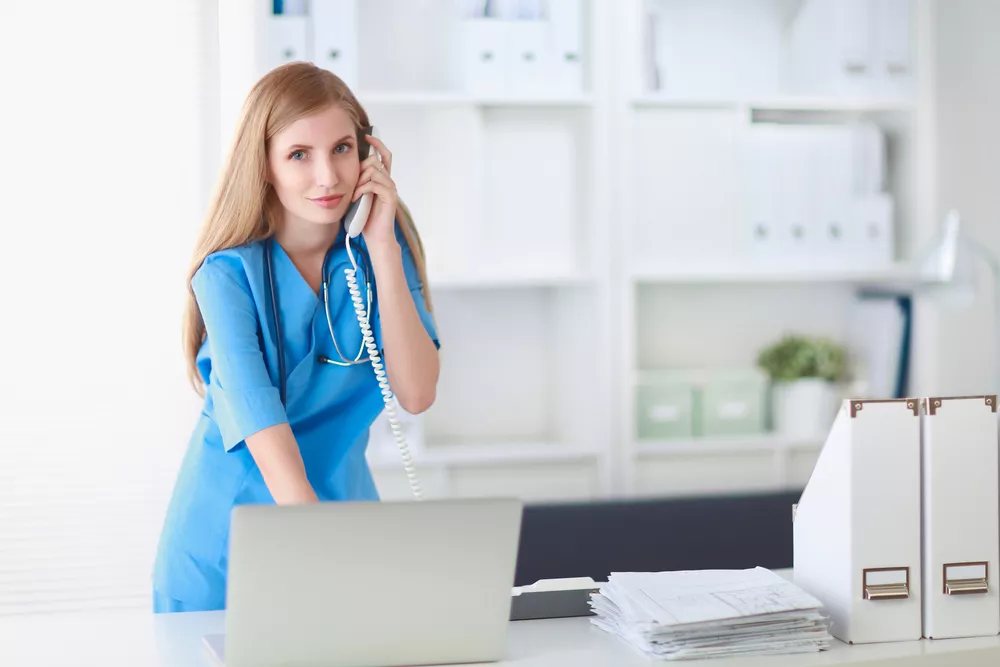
(968, 132)
(103, 179)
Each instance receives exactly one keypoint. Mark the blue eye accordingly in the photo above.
(344, 146)
(300, 153)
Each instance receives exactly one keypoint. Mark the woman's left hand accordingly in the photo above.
(376, 177)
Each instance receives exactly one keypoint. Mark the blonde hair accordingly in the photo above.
(244, 207)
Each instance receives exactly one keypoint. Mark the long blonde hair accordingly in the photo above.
(244, 207)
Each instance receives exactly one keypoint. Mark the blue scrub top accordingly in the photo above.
(330, 408)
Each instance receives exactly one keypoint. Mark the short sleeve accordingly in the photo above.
(416, 292)
(245, 399)
(416, 289)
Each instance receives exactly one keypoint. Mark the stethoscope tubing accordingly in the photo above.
(273, 306)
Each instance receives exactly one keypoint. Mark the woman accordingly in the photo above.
(273, 235)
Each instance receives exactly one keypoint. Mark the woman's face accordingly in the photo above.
(313, 165)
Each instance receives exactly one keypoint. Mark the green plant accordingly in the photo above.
(795, 357)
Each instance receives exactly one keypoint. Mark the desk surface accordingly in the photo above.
(142, 639)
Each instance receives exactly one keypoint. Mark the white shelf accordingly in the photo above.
(718, 445)
(444, 456)
(506, 281)
(787, 103)
(670, 273)
(461, 99)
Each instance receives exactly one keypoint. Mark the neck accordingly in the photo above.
(305, 239)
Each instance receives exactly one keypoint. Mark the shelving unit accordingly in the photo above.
(577, 237)
(693, 294)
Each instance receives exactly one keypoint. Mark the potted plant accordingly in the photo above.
(804, 372)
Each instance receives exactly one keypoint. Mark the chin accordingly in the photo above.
(324, 217)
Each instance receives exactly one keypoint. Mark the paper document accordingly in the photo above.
(710, 613)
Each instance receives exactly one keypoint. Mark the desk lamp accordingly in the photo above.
(946, 271)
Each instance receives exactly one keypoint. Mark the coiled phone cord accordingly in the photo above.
(383, 382)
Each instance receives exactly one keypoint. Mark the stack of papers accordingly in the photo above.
(710, 614)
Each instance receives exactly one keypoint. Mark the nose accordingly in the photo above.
(326, 172)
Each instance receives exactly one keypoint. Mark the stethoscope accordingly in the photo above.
(271, 295)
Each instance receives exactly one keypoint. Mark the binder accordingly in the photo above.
(334, 36)
(761, 173)
(878, 342)
(871, 233)
(961, 517)
(527, 58)
(287, 39)
(484, 56)
(566, 38)
(892, 46)
(856, 527)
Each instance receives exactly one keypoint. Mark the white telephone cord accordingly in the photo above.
(383, 382)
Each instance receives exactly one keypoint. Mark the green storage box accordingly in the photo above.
(666, 406)
(734, 402)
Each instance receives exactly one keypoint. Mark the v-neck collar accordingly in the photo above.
(296, 275)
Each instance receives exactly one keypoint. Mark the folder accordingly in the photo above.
(961, 517)
(334, 40)
(856, 527)
(553, 598)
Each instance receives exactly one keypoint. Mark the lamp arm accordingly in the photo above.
(987, 256)
(991, 260)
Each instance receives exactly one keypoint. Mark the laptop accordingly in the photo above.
(369, 584)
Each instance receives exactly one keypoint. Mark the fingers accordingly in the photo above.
(370, 162)
(384, 192)
(372, 172)
(382, 151)
(373, 180)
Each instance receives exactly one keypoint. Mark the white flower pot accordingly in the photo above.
(804, 408)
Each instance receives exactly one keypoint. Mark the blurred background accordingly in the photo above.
(665, 239)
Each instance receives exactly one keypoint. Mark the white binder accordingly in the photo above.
(961, 517)
(856, 534)
(566, 38)
(334, 27)
(893, 48)
(485, 56)
(287, 39)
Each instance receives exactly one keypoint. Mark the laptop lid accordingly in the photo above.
(371, 584)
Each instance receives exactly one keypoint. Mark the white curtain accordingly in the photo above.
(109, 119)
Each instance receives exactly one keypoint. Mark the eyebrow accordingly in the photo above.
(344, 138)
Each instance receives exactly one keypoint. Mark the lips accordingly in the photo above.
(329, 201)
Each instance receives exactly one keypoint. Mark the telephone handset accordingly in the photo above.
(358, 211)
(354, 222)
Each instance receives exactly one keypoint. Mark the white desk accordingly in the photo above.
(142, 639)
